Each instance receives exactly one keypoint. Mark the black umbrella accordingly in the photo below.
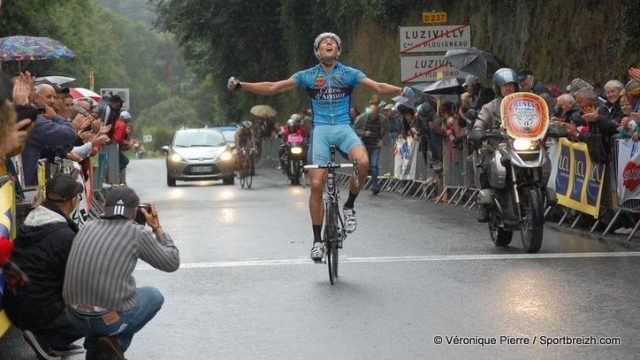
(443, 87)
(474, 61)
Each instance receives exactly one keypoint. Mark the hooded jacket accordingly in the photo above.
(41, 251)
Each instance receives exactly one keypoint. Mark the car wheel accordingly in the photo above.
(170, 181)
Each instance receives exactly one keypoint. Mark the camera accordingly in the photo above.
(140, 219)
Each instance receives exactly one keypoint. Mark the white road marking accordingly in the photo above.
(381, 259)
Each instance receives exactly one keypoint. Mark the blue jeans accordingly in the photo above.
(149, 302)
(374, 156)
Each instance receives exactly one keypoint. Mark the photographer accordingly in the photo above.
(99, 287)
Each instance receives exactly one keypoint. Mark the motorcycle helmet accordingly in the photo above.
(291, 123)
(247, 124)
(505, 76)
(324, 35)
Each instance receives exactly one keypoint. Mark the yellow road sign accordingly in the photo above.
(434, 17)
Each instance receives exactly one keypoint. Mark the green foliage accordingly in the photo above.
(120, 53)
(558, 40)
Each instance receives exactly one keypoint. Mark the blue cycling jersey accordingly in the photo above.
(330, 92)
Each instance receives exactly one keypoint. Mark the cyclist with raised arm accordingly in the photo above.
(329, 85)
(246, 138)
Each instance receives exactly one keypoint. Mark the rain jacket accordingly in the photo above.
(41, 251)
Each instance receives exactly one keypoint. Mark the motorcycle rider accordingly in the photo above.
(246, 137)
(293, 127)
(505, 82)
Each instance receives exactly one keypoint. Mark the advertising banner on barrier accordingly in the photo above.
(406, 154)
(628, 182)
(578, 181)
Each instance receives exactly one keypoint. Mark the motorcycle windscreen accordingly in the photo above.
(524, 115)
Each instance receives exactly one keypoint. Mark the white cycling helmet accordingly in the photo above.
(324, 35)
(247, 124)
(125, 115)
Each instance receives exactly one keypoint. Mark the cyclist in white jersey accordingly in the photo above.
(329, 85)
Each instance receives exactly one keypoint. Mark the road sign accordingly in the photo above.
(147, 138)
(425, 68)
(123, 92)
(434, 17)
(416, 39)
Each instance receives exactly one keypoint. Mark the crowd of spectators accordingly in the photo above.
(41, 120)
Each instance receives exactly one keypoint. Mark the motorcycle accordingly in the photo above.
(518, 194)
(295, 157)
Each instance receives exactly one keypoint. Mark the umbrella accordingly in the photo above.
(474, 61)
(18, 48)
(443, 87)
(78, 92)
(59, 80)
(263, 111)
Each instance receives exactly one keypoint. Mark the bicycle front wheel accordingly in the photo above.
(331, 239)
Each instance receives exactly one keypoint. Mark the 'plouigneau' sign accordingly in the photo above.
(417, 39)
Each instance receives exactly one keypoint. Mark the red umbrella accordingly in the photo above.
(78, 92)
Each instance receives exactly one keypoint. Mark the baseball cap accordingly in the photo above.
(523, 73)
(470, 80)
(62, 187)
(121, 201)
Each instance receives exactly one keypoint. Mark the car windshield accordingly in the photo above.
(229, 135)
(194, 138)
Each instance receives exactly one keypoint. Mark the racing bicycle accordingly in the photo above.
(333, 228)
(246, 166)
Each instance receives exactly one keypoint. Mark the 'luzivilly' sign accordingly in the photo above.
(419, 39)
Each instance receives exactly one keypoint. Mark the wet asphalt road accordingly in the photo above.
(414, 274)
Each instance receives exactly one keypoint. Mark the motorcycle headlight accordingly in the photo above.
(226, 156)
(296, 150)
(176, 158)
(522, 144)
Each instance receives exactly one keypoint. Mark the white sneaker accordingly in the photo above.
(317, 251)
(41, 353)
(350, 221)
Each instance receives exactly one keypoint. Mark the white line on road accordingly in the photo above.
(380, 259)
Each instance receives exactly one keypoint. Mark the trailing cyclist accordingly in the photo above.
(329, 84)
(245, 139)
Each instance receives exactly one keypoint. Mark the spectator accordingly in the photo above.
(628, 127)
(577, 84)
(475, 94)
(354, 113)
(433, 136)
(373, 128)
(601, 128)
(632, 90)
(529, 83)
(108, 112)
(121, 137)
(51, 133)
(612, 90)
(110, 311)
(64, 103)
(567, 111)
(395, 124)
(41, 250)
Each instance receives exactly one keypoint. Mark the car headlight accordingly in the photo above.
(226, 156)
(296, 150)
(522, 144)
(175, 157)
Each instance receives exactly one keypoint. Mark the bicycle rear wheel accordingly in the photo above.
(331, 240)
